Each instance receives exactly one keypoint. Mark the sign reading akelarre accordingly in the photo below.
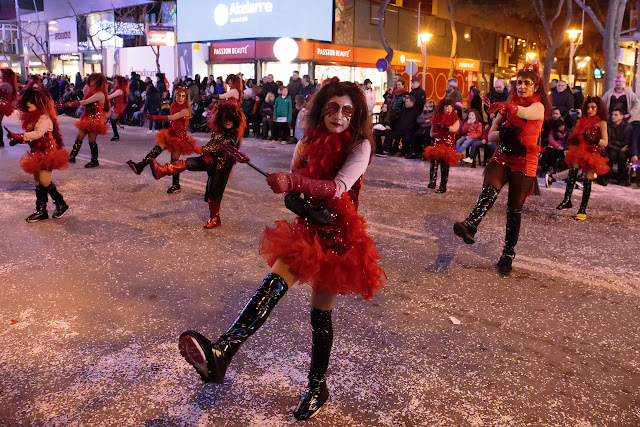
(210, 20)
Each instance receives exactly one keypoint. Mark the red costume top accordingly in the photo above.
(529, 137)
(584, 153)
(175, 138)
(118, 103)
(46, 152)
(92, 119)
(338, 257)
(444, 147)
(6, 100)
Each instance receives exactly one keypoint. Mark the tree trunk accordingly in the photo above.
(385, 45)
(454, 37)
(611, 41)
(157, 54)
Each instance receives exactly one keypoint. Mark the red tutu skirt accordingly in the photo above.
(443, 152)
(44, 160)
(6, 109)
(166, 138)
(91, 125)
(589, 160)
(308, 252)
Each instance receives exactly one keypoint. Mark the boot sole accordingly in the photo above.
(132, 165)
(36, 220)
(461, 231)
(297, 417)
(61, 214)
(194, 355)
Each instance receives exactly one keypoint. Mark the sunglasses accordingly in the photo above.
(525, 82)
(333, 108)
(592, 107)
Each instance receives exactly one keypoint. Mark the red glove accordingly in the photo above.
(197, 149)
(509, 108)
(159, 118)
(71, 104)
(281, 182)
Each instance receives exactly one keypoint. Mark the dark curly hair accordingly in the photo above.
(443, 102)
(602, 109)
(229, 112)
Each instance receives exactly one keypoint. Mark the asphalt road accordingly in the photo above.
(91, 304)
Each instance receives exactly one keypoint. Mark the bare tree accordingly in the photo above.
(554, 39)
(451, 4)
(610, 32)
(383, 39)
(33, 40)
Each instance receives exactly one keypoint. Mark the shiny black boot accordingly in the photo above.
(467, 229)
(316, 393)
(444, 177)
(211, 360)
(433, 173)
(1, 135)
(176, 183)
(41, 205)
(138, 167)
(510, 240)
(74, 150)
(571, 182)
(61, 206)
(94, 155)
(114, 126)
(586, 193)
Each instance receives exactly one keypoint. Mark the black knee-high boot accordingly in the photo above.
(1, 135)
(94, 155)
(571, 182)
(433, 173)
(467, 229)
(211, 359)
(114, 126)
(176, 182)
(510, 240)
(61, 205)
(41, 205)
(316, 393)
(74, 150)
(586, 193)
(444, 177)
(138, 167)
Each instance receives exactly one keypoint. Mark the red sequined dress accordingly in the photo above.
(46, 153)
(175, 138)
(339, 257)
(445, 144)
(92, 119)
(6, 101)
(117, 103)
(583, 152)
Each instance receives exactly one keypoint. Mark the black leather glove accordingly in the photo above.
(509, 142)
(591, 136)
(15, 142)
(302, 208)
(443, 127)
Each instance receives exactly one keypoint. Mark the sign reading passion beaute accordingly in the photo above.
(209, 20)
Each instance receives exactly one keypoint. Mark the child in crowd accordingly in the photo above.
(301, 119)
(282, 111)
(471, 131)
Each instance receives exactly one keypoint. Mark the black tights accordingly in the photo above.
(520, 185)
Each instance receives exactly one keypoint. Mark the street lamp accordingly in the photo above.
(531, 56)
(423, 39)
(576, 40)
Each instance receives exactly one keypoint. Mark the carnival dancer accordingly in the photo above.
(175, 139)
(517, 128)
(230, 124)
(119, 97)
(336, 258)
(588, 137)
(42, 133)
(444, 124)
(91, 122)
(231, 96)
(8, 94)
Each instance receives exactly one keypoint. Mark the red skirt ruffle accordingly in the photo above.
(443, 152)
(39, 161)
(354, 272)
(6, 109)
(90, 125)
(588, 160)
(173, 143)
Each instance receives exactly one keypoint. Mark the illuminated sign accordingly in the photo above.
(63, 36)
(233, 50)
(161, 36)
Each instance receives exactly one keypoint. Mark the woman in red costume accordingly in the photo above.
(517, 129)
(175, 139)
(337, 257)
(42, 133)
(91, 122)
(232, 96)
(8, 94)
(588, 137)
(444, 124)
(119, 97)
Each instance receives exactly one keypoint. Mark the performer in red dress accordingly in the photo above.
(119, 97)
(91, 122)
(8, 95)
(42, 133)
(444, 124)
(517, 128)
(337, 257)
(231, 96)
(588, 137)
(175, 139)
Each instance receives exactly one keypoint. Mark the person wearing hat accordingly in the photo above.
(418, 93)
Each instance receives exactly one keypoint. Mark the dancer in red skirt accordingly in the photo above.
(175, 139)
(335, 258)
(8, 95)
(91, 122)
(444, 124)
(588, 137)
(231, 96)
(42, 133)
(119, 97)
(517, 128)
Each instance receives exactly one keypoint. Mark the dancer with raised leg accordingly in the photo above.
(336, 258)
(588, 137)
(444, 125)
(119, 97)
(517, 129)
(8, 94)
(175, 139)
(42, 133)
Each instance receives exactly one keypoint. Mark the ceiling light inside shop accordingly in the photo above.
(285, 49)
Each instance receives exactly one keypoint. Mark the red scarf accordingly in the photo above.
(175, 107)
(445, 119)
(326, 153)
(30, 118)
